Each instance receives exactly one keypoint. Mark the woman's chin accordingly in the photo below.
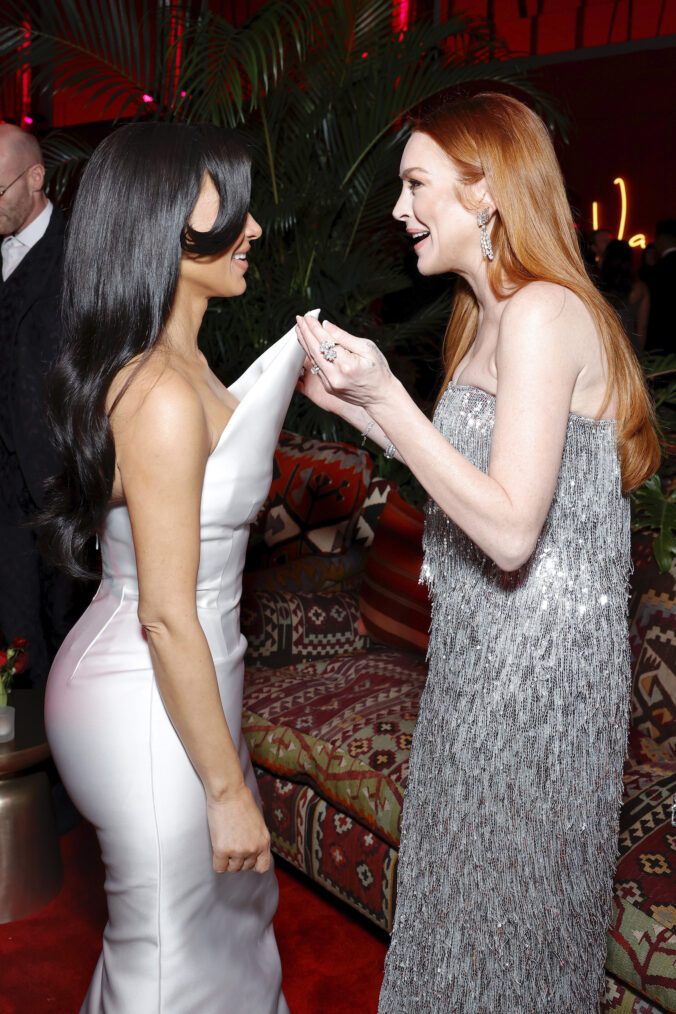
(232, 291)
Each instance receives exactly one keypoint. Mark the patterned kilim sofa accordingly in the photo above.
(337, 628)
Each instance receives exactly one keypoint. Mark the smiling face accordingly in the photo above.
(221, 274)
(444, 232)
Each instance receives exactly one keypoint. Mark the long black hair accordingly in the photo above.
(127, 231)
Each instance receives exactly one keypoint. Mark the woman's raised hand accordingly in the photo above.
(348, 368)
(239, 838)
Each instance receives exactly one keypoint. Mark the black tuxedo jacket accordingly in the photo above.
(30, 334)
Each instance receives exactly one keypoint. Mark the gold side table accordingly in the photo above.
(30, 858)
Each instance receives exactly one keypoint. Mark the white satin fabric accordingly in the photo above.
(180, 938)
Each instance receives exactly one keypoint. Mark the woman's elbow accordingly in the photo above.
(162, 621)
(514, 549)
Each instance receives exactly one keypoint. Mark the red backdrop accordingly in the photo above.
(610, 62)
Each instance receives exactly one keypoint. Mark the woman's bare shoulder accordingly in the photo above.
(545, 302)
(155, 400)
(546, 315)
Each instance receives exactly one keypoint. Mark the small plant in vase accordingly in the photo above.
(13, 660)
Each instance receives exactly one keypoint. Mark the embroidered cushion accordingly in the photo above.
(371, 509)
(652, 636)
(284, 627)
(394, 606)
(641, 938)
(343, 724)
(313, 505)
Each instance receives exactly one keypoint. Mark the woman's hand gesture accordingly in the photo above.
(239, 838)
(348, 368)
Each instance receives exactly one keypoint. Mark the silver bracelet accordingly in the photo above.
(367, 431)
(390, 450)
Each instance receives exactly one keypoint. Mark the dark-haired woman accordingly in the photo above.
(168, 468)
(509, 829)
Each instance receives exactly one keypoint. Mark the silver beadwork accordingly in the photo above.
(509, 828)
(482, 221)
(328, 350)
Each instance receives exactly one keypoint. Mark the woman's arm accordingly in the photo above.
(162, 444)
(502, 511)
(314, 387)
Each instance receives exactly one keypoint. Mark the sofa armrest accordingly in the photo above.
(284, 627)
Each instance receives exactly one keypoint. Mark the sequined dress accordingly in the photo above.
(510, 822)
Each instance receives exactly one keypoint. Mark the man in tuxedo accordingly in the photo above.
(662, 283)
(35, 601)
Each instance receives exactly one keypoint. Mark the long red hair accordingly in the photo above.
(496, 137)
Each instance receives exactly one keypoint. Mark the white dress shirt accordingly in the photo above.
(14, 248)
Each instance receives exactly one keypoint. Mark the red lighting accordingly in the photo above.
(147, 98)
(402, 12)
(25, 77)
(28, 120)
(364, 55)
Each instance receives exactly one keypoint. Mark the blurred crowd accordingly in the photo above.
(639, 284)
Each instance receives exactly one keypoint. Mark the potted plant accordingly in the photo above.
(12, 661)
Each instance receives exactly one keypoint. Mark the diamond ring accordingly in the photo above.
(328, 350)
(314, 368)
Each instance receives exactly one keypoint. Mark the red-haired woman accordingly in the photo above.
(543, 426)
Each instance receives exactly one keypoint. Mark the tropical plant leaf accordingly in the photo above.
(65, 156)
(655, 509)
(322, 92)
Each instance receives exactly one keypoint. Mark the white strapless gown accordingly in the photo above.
(180, 938)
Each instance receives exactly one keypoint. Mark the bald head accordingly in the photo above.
(22, 176)
(20, 143)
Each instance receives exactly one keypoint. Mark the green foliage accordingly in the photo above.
(321, 92)
(660, 372)
(655, 508)
(654, 503)
(65, 156)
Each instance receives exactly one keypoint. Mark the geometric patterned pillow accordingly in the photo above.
(652, 636)
(653, 701)
(394, 606)
(285, 628)
(641, 940)
(371, 509)
(650, 591)
(314, 501)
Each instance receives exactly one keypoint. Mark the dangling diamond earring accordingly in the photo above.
(486, 245)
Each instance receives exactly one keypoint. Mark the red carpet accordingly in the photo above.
(332, 960)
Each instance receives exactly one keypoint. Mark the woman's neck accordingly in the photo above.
(184, 321)
(490, 306)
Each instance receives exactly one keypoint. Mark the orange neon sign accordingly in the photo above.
(639, 238)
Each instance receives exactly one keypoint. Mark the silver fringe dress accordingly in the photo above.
(510, 822)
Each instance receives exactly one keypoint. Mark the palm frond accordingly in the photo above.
(82, 46)
(65, 156)
(655, 508)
